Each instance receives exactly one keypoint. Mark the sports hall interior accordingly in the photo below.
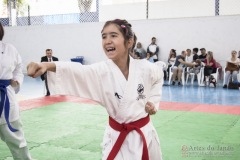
(193, 122)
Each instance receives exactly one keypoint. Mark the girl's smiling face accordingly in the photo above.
(114, 44)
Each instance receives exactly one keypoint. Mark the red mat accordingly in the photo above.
(48, 100)
(175, 106)
(209, 108)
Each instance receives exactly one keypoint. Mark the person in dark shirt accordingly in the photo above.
(47, 58)
(203, 55)
(178, 67)
(195, 55)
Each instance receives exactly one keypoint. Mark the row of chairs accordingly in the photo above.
(200, 75)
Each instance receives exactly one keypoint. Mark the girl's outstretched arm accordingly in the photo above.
(36, 69)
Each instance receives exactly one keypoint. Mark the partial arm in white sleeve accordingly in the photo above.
(17, 74)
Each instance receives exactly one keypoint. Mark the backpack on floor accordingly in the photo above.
(233, 85)
(212, 81)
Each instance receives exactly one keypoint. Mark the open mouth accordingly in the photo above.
(110, 49)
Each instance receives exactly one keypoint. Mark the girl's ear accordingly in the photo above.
(130, 43)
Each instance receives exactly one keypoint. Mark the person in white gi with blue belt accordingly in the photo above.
(11, 77)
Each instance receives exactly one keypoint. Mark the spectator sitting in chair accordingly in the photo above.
(189, 56)
(232, 68)
(195, 55)
(171, 59)
(203, 55)
(210, 67)
(141, 51)
(179, 66)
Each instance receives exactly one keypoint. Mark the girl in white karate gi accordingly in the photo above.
(129, 89)
(11, 77)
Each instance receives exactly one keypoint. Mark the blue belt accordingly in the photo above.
(4, 103)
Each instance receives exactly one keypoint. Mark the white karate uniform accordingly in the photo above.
(123, 99)
(11, 68)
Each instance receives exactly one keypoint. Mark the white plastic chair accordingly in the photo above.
(215, 75)
(161, 64)
(192, 75)
(224, 73)
(170, 74)
(200, 76)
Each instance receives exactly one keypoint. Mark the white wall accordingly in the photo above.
(123, 11)
(218, 34)
(157, 9)
(66, 41)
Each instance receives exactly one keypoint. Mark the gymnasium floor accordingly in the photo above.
(193, 123)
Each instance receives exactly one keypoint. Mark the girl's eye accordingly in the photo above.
(103, 37)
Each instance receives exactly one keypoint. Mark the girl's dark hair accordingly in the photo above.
(134, 43)
(124, 27)
(1, 31)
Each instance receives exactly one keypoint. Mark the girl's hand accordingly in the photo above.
(36, 69)
(150, 109)
(14, 83)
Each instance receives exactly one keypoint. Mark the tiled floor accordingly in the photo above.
(31, 88)
(206, 95)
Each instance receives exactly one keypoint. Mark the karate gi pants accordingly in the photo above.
(15, 141)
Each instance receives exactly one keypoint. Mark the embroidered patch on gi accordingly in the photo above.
(140, 91)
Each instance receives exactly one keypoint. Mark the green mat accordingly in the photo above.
(72, 131)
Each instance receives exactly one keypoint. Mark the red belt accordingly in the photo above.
(124, 129)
